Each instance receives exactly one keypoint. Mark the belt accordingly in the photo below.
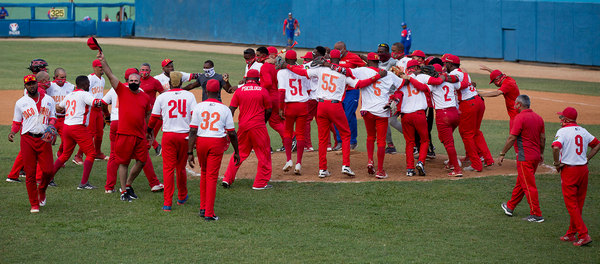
(470, 98)
(35, 135)
(330, 101)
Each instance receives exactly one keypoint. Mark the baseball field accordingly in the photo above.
(303, 218)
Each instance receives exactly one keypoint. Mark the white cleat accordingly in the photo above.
(298, 169)
(346, 170)
(323, 173)
(288, 165)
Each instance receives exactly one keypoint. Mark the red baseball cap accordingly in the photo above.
(252, 74)
(438, 68)
(272, 50)
(372, 56)
(428, 60)
(412, 63)
(451, 58)
(130, 71)
(291, 55)
(494, 74)
(309, 55)
(92, 43)
(96, 63)
(29, 78)
(213, 85)
(166, 62)
(335, 54)
(417, 53)
(569, 113)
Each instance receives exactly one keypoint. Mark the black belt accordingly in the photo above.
(470, 98)
(331, 101)
(35, 135)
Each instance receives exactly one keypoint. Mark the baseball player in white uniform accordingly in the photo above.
(58, 90)
(163, 78)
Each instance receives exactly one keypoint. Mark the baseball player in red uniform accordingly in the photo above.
(528, 136)
(330, 90)
(311, 103)
(447, 119)
(33, 114)
(255, 110)
(293, 109)
(133, 134)
(211, 122)
(77, 107)
(569, 150)
(268, 81)
(472, 108)
(414, 102)
(374, 99)
(174, 107)
(508, 88)
(151, 86)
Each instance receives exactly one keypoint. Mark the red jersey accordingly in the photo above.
(511, 91)
(352, 60)
(133, 108)
(527, 126)
(252, 100)
(151, 86)
(268, 78)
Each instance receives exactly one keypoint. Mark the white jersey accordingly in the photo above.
(112, 99)
(77, 107)
(32, 120)
(96, 86)
(444, 95)
(413, 99)
(255, 66)
(296, 87)
(468, 92)
(175, 106)
(375, 96)
(331, 85)
(164, 80)
(59, 93)
(574, 141)
(212, 118)
(313, 83)
(402, 63)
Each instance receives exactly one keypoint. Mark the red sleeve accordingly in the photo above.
(557, 144)
(295, 23)
(366, 82)
(120, 87)
(418, 85)
(16, 126)
(153, 119)
(298, 69)
(284, 24)
(266, 99)
(281, 99)
(465, 82)
(403, 34)
(266, 78)
(451, 78)
(517, 126)
(435, 80)
(234, 100)
(594, 143)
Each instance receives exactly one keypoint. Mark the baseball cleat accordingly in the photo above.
(181, 202)
(298, 169)
(12, 180)
(110, 191)
(42, 198)
(294, 144)
(78, 160)
(507, 211)
(337, 147)
(309, 149)
(469, 168)
(166, 208)
(268, 186)
(431, 155)
(420, 168)
(125, 197)
(329, 149)
(346, 170)
(370, 169)
(488, 164)
(391, 149)
(202, 212)
(211, 218)
(381, 175)
(158, 150)
(225, 185)
(131, 193)
(22, 173)
(288, 165)
(35, 209)
(455, 174)
(282, 149)
(157, 188)
(52, 184)
(323, 173)
(410, 172)
(86, 186)
(568, 238)
(101, 156)
(583, 240)
(534, 218)
(353, 146)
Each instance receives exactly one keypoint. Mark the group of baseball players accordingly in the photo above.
(288, 96)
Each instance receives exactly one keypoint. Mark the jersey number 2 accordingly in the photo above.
(447, 90)
(179, 106)
(206, 123)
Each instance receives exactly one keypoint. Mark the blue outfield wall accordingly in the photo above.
(547, 31)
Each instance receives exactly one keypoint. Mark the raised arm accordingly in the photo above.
(114, 81)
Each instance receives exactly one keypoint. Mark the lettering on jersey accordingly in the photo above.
(251, 88)
(28, 113)
(58, 98)
(97, 89)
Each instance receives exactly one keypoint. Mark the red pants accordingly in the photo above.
(295, 113)
(257, 139)
(60, 122)
(471, 115)
(275, 120)
(526, 187)
(376, 130)
(574, 182)
(312, 112)
(415, 123)
(36, 152)
(112, 166)
(131, 147)
(18, 166)
(77, 134)
(447, 120)
(156, 129)
(210, 153)
(332, 113)
(96, 129)
(175, 148)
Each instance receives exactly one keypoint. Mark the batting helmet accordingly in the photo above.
(38, 65)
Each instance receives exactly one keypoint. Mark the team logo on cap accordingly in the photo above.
(14, 29)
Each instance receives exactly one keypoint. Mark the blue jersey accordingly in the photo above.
(3, 13)
(406, 36)
(290, 23)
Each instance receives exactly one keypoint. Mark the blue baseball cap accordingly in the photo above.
(403, 24)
